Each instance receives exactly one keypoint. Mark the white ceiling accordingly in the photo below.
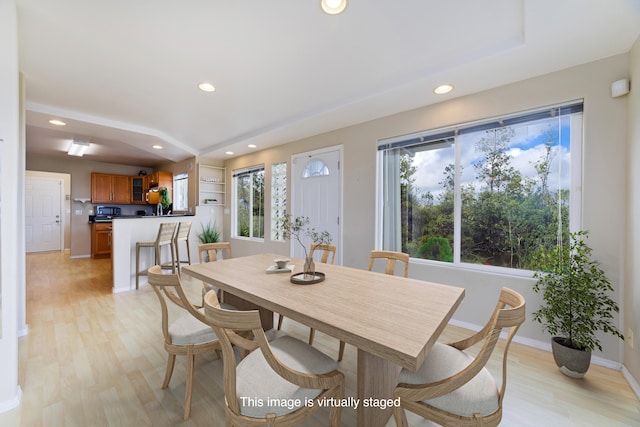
(123, 74)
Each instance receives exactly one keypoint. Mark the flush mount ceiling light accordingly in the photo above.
(157, 147)
(206, 87)
(252, 146)
(57, 122)
(442, 89)
(333, 7)
(77, 148)
(229, 153)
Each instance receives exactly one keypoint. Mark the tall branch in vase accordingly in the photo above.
(296, 229)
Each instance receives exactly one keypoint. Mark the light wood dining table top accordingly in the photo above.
(395, 318)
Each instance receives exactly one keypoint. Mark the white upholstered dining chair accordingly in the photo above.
(453, 388)
(184, 335)
(283, 370)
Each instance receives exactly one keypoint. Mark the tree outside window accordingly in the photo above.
(495, 194)
(249, 203)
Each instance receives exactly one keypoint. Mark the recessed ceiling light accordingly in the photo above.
(206, 87)
(252, 146)
(333, 7)
(229, 153)
(57, 122)
(442, 89)
(158, 147)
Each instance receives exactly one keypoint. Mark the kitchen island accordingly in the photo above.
(129, 230)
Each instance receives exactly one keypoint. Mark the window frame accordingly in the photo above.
(234, 202)
(575, 183)
(184, 176)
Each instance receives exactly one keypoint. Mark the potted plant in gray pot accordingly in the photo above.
(576, 304)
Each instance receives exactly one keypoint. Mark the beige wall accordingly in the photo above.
(631, 308)
(80, 170)
(604, 182)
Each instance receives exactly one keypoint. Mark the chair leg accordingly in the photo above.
(167, 376)
(400, 416)
(137, 266)
(191, 360)
(280, 319)
(335, 413)
(312, 334)
(341, 351)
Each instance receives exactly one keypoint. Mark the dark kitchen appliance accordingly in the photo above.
(106, 213)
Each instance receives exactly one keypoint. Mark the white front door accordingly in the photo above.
(317, 194)
(43, 219)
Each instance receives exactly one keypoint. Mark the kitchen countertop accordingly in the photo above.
(140, 216)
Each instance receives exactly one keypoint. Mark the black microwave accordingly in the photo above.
(108, 211)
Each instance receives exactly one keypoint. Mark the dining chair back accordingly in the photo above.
(184, 335)
(211, 249)
(391, 258)
(283, 370)
(453, 388)
(327, 251)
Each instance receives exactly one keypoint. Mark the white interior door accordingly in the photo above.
(43, 219)
(317, 194)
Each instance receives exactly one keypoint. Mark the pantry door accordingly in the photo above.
(317, 194)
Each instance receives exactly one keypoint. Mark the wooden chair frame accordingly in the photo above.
(228, 325)
(392, 257)
(182, 235)
(412, 395)
(212, 250)
(169, 287)
(164, 238)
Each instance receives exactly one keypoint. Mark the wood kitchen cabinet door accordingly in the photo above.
(121, 189)
(101, 188)
(101, 241)
(108, 188)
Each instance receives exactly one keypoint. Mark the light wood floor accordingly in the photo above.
(93, 358)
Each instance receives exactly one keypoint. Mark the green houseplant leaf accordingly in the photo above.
(209, 234)
(576, 297)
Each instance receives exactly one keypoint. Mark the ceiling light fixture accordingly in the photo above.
(77, 148)
(229, 153)
(333, 7)
(57, 122)
(157, 147)
(442, 89)
(206, 87)
(252, 146)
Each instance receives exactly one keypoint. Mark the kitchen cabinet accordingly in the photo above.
(108, 188)
(139, 188)
(101, 240)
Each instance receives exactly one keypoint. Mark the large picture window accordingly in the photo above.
(496, 193)
(248, 199)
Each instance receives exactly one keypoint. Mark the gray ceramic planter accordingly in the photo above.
(573, 363)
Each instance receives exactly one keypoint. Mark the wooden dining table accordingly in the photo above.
(392, 321)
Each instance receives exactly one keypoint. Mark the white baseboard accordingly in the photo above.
(632, 381)
(10, 404)
(600, 361)
(80, 256)
(24, 331)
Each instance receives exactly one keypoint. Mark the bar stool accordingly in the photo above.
(184, 228)
(165, 237)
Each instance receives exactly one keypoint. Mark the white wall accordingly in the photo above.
(11, 245)
(604, 182)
